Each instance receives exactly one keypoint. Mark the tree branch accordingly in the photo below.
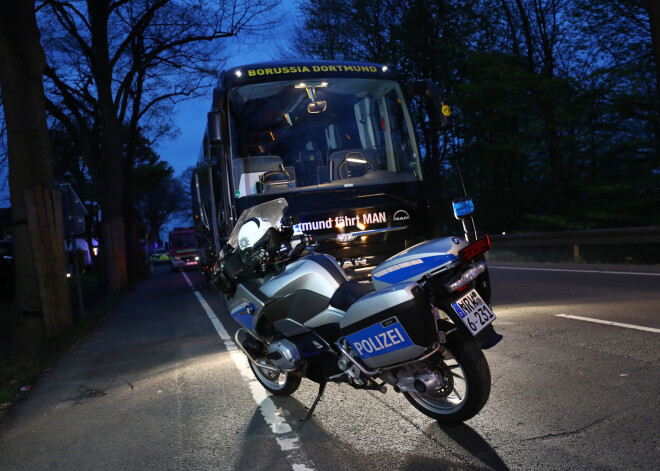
(137, 29)
(65, 19)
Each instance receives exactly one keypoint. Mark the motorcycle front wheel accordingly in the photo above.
(466, 374)
(280, 384)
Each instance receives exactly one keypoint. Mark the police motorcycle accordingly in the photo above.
(419, 326)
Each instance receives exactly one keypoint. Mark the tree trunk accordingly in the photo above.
(128, 203)
(45, 223)
(111, 186)
(527, 31)
(22, 63)
(653, 8)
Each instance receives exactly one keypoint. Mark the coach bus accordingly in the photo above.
(334, 138)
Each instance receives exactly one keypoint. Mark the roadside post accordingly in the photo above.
(74, 212)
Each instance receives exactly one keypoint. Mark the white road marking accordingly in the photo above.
(617, 324)
(577, 271)
(286, 438)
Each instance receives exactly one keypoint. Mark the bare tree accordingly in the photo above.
(41, 290)
(162, 204)
(186, 181)
(123, 62)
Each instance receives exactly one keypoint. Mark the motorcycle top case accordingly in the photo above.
(417, 261)
(390, 326)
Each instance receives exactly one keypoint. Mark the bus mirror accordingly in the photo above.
(218, 99)
(214, 127)
(442, 113)
(416, 88)
(427, 88)
(317, 107)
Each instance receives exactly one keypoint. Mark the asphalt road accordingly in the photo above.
(160, 386)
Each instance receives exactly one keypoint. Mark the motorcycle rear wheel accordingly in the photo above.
(280, 384)
(465, 362)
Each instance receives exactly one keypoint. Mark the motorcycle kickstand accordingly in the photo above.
(316, 401)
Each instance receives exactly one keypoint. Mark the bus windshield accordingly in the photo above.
(301, 135)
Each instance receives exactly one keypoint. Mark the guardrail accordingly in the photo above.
(628, 235)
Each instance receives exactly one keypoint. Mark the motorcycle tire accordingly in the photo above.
(280, 384)
(470, 382)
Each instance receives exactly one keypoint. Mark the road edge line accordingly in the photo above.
(616, 324)
(567, 270)
(289, 443)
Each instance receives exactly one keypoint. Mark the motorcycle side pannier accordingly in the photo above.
(390, 326)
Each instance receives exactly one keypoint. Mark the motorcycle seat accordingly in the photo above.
(349, 292)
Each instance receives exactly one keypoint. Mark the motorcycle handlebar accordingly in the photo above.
(304, 241)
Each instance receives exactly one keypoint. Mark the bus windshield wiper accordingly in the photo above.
(388, 195)
(292, 196)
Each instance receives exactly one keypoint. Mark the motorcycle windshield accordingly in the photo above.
(273, 211)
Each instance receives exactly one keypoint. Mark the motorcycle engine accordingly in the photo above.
(284, 354)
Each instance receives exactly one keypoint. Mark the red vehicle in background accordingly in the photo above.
(183, 248)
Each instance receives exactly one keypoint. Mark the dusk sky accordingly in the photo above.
(182, 152)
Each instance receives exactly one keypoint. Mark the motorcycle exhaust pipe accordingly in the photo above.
(426, 383)
(252, 342)
(420, 385)
(254, 346)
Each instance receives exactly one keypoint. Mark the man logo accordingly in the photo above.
(401, 215)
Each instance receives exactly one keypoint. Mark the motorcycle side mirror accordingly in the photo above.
(292, 220)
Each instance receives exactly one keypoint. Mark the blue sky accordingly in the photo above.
(190, 118)
(182, 151)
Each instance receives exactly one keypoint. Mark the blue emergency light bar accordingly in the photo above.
(463, 207)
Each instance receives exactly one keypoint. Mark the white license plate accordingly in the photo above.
(473, 311)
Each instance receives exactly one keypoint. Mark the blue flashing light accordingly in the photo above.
(463, 207)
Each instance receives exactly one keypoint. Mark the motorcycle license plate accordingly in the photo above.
(473, 311)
